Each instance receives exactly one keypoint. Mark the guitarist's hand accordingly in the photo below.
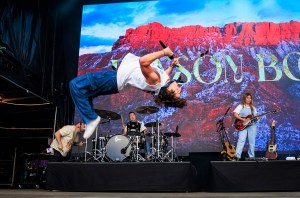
(257, 118)
(60, 147)
(243, 119)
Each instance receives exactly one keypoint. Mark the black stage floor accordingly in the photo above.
(195, 176)
(121, 176)
(278, 175)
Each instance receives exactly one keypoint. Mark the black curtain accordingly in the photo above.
(39, 46)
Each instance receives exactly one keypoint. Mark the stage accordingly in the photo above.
(199, 174)
(280, 175)
(122, 176)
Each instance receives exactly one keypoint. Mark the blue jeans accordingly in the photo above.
(148, 141)
(251, 132)
(86, 87)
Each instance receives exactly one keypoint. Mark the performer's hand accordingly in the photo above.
(244, 119)
(60, 147)
(174, 62)
(168, 52)
(80, 143)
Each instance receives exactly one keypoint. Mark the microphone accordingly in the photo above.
(164, 46)
(176, 130)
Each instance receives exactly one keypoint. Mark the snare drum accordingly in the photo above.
(118, 148)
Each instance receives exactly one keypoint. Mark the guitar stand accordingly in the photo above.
(221, 130)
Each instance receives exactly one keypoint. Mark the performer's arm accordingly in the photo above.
(124, 130)
(151, 76)
(237, 116)
(145, 132)
(78, 143)
(172, 66)
(58, 139)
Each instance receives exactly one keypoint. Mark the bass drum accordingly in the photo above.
(118, 148)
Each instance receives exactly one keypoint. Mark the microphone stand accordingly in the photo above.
(222, 134)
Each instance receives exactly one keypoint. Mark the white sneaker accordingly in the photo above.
(91, 127)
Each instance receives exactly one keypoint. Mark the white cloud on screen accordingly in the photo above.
(94, 49)
(109, 31)
(219, 13)
(214, 13)
(143, 15)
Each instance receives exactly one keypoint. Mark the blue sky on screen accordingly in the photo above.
(103, 24)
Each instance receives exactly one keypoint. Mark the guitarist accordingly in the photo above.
(242, 111)
(65, 138)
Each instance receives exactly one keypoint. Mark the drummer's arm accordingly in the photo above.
(145, 131)
(124, 130)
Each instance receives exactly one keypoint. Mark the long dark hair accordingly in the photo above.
(168, 99)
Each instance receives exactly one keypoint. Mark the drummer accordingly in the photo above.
(139, 127)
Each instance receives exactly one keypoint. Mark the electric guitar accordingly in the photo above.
(271, 148)
(240, 125)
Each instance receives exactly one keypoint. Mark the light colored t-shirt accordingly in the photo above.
(68, 137)
(130, 74)
(246, 112)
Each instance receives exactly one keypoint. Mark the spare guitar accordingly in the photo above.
(229, 150)
(271, 148)
(240, 125)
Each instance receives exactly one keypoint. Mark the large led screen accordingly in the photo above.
(253, 47)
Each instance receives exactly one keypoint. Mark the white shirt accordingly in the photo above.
(130, 74)
(239, 108)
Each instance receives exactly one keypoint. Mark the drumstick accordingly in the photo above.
(122, 120)
(123, 129)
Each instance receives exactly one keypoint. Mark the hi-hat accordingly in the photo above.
(172, 134)
(151, 124)
(109, 115)
(147, 109)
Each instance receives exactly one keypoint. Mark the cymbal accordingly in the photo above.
(147, 109)
(172, 134)
(151, 124)
(109, 115)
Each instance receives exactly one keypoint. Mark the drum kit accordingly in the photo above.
(119, 148)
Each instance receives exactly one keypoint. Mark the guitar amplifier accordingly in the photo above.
(256, 159)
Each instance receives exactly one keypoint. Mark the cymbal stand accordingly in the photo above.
(152, 148)
(85, 150)
(158, 152)
(93, 155)
(97, 154)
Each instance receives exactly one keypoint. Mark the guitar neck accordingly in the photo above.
(273, 132)
(260, 115)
